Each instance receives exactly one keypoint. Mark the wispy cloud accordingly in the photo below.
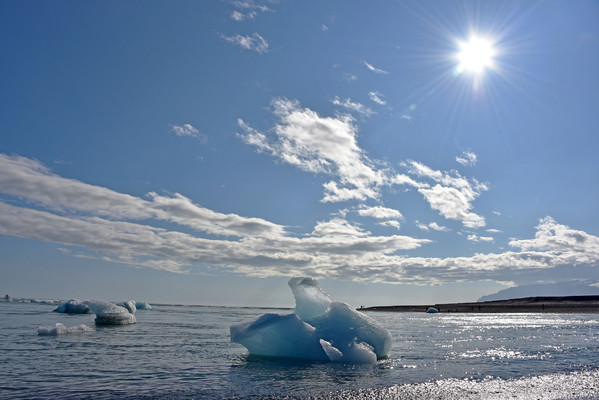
(467, 159)
(349, 77)
(377, 97)
(475, 238)
(433, 225)
(254, 42)
(375, 69)
(28, 179)
(353, 107)
(190, 131)
(248, 9)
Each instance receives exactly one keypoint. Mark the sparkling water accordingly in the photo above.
(185, 352)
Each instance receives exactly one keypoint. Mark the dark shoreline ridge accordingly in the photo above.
(547, 304)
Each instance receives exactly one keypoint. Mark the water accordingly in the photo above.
(185, 352)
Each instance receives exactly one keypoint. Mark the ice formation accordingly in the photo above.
(73, 306)
(142, 305)
(110, 313)
(60, 329)
(129, 305)
(319, 329)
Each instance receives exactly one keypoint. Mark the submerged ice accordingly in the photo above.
(319, 329)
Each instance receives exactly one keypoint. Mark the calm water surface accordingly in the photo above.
(185, 352)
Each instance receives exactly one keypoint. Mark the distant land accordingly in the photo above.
(569, 288)
(541, 304)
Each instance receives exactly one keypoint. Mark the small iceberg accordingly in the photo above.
(73, 306)
(319, 329)
(110, 313)
(432, 310)
(129, 305)
(142, 305)
(60, 329)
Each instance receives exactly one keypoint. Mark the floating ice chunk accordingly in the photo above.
(320, 329)
(129, 305)
(110, 313)
(60, 329)
(142, 305)
(345, 328)
(432, 310)
(354, 353)
(73, 306)
(279, 336)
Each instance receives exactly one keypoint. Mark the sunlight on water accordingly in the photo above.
(185, 352)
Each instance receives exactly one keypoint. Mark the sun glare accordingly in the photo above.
(475, 55)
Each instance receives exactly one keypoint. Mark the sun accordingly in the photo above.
(475, 55)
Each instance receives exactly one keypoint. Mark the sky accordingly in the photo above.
(204, 152)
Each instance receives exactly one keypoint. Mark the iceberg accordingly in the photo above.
(60, 329)
(142, 305)
(73, 306)
(129, 305)
(110, 313)
(319, 329)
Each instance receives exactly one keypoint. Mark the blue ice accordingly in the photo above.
(73, 306)
(319, 329)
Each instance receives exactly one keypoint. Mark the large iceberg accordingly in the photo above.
(319, 329)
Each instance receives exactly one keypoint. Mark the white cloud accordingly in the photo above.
(251, 5)
(433, 225)
(239, 16)
(494, 231)
(452, 196)
(28, 179)
(386, 216)
(254, 42)
(552, 236)
(349, 77)
(468, 159)
(377, 98)
(475, 238)
(121, 228)
(185, 130)
(353, 107)
(392, 223)
(320, 145)
(379, 212)
(189, 130)
(375, 69)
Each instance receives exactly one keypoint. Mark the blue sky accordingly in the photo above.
(204, 152)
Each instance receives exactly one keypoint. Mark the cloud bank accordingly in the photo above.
(40, 205)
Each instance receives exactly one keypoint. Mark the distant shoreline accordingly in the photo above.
(546, 304)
